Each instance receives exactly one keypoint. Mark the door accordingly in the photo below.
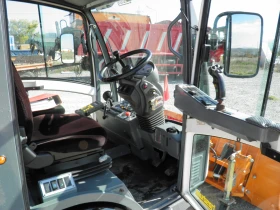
(13, 188)
(204, 179)
(46, 58)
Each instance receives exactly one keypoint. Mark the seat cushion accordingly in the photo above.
(67, 133)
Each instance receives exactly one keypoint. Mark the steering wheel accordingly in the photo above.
(127, 70)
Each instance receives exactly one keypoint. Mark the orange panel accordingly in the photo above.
(262, 188)
(264, 183)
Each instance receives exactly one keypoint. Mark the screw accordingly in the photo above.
(121, 190)
(247, 191)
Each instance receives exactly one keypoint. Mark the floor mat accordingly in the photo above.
(141, 178)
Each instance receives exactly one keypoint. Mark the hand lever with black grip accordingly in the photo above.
(216, 72)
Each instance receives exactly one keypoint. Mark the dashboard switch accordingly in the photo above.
(54, 185)
(67, 181)
(47, 187)
(61, 183)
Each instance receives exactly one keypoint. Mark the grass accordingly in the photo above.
(243, 66)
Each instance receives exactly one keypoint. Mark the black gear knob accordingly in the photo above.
(107, 95)
(117, 55)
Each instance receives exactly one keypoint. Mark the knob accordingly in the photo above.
(172, 130)
(117, 55)
(107, 95)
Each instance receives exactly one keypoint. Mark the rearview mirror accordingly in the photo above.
(236, 41)
(67, 48)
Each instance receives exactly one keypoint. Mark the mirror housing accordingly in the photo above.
(67, 48)
(236, 43)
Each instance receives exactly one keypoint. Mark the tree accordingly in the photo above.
(22, 29)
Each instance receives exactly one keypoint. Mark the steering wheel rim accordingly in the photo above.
(131, 72)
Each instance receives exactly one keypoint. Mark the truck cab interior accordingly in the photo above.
(132, 120)
(58, 143)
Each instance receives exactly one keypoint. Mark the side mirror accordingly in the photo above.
(236, 43)
(67, 48)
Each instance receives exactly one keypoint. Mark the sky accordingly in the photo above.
(158, 10)
(269, 10)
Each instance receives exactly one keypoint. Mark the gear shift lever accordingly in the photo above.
(216, 72)
(107, 96)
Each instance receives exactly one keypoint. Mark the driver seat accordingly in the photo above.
(51, 138)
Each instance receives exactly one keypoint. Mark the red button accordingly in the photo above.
(127, 114)
(145, 85)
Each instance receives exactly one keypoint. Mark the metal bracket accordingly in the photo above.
(22, 135)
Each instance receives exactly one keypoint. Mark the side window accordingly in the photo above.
(273, 103)
(48, 42)
(243, 94)
(25, 37)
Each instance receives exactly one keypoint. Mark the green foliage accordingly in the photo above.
(243, 66)
(273, 98)
(22, 29)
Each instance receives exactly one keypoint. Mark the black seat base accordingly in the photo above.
(80, 167)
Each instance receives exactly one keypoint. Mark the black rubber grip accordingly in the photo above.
(264, 123)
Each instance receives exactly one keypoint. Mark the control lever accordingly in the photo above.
(107, 96)
(216, 72)
(89, 109)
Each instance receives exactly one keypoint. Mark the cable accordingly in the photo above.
(215, 154)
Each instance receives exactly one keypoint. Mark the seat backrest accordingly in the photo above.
(25, 117)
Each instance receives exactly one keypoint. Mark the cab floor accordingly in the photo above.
(142, 179)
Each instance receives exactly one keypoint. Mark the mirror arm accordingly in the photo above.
(227, 51)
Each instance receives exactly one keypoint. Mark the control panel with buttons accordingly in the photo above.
(57, 185)
(128, 116)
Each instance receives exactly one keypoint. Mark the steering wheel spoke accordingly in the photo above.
(127, 70)
(114, 71)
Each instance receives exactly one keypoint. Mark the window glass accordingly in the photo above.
(131, 25)
(223, 172)
(26, 39)
(273, 104)
(245, 95)
(48, 42)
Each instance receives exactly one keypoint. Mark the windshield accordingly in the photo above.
(131, 25)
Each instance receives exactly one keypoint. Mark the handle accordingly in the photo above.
(178, 55)
(216, 72)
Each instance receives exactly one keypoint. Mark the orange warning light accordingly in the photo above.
(2, 159)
